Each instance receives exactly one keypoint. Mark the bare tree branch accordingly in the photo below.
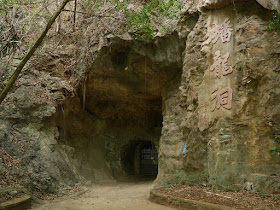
(31, 52)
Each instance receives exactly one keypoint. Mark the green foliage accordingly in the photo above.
(167, 181)
(277, 138)
(196, 179)
(169, 8)
(275, 151)
(178, 177)
(274, 25)
(143, 20)
(140, 21)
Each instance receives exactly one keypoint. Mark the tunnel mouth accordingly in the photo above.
(111, 128)
(140, 160)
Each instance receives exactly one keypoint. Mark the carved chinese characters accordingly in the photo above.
(223, 31)
(221, 98)
(220, 66)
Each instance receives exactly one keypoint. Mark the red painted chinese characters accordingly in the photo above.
(223, 31)
(220, 66)
(221, 98)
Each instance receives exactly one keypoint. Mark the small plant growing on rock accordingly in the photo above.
(276, 150)
(274, 25)
(197, 179)
(167, 181)
(179, 177)
(277, 138)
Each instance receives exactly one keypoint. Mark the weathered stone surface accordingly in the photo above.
(28, 141)
(21, 203)
(198, 5)
(214, 83)
(216, 4)
(270, 4)
(229, 133)
(1, 166)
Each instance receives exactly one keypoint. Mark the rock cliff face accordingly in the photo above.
(213, 83)
(228, 107)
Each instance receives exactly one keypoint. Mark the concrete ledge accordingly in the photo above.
(182, 203)
(21, 203)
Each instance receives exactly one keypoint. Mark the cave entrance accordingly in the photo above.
(120, 106)
(140, 159)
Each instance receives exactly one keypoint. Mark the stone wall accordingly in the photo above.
(229, 108)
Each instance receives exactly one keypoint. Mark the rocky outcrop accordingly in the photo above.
(229, 82)
(270, 4)
(199, 5)
(29, 152)
(212, 85)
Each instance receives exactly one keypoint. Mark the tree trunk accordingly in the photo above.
(31, 52)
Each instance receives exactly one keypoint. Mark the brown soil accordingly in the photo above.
(238, 200)
(5, 193)
(113, 196)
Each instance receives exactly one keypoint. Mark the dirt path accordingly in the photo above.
(129, 196)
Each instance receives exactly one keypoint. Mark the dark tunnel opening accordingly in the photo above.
(140, 160)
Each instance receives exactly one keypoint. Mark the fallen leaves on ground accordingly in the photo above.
(239, 200)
